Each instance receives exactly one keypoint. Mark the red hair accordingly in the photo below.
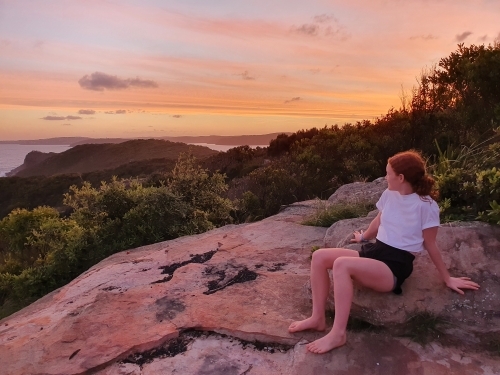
(412, 166)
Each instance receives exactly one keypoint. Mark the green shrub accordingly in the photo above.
(491, 216)
(249, 208)
(274, 187)
(468, 180)
(204, 192)
(44, 253)
(21, 223)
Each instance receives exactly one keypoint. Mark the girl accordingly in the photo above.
(407, 221)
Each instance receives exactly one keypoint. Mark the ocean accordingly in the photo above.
(222, 147)
(12, 155)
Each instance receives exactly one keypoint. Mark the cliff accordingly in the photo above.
(221, 303)
(31, 160)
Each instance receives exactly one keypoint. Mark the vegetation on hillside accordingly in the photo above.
(452, 116)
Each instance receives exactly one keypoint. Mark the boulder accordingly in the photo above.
(341, 232)
(468, 249)
(368, 192)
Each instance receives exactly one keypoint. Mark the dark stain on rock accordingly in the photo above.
(170, 349)
(242, 276)
(269, 347)
(276, 267)
(198, 258)
(221, 275)
(110, 288)
(259, 266)
(164, 280)
(168, 308)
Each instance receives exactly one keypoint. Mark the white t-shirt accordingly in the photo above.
(403, 219)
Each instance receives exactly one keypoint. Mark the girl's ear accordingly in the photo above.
(401, 177)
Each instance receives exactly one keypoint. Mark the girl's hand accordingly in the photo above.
(459, 283)
(357, 237)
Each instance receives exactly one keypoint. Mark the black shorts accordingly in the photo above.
(399, 261)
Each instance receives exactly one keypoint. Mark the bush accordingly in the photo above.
(468, 180)
(249, 208)
(274, 187)
(44, 253)
(202, 191)
(491, 216)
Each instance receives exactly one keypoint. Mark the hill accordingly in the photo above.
(94, 157)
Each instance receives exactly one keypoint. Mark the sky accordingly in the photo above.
(154, 68)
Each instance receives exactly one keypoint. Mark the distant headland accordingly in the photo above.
(231, 140)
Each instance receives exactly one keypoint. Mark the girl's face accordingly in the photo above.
(394, 181)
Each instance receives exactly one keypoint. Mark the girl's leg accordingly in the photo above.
(322, 260)
(370, 273)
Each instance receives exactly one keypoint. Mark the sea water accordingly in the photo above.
(12, 155)
(222, 147)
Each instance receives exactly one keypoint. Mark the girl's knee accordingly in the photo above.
(319, 255)
(342, 264)
(326, 256)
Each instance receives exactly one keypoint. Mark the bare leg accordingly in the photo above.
(322, 260)
(367, 272)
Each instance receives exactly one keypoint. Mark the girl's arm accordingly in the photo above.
(371, 232)
(455, 283)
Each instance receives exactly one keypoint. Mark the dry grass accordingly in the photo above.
(326, 214)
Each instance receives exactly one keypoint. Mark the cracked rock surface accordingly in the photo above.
(364, 354)
(214, 303)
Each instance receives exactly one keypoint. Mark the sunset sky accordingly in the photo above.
(140, 68)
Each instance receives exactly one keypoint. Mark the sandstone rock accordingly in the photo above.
(359, 192)
(239, 284)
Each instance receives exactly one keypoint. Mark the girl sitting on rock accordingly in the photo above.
(407, 222)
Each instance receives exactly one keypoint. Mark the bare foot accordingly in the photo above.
(309, 323)
(326, 343)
